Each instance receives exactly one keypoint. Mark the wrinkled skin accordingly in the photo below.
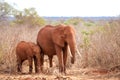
(28, 51)
(54, 40)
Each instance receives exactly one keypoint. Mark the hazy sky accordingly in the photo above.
(70, 7)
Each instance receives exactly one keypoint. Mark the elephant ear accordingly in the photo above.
(58, 36)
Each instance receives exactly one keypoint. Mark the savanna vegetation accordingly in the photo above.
(97, 41)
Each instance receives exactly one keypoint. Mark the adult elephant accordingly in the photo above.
(55, 40)
(28, 51)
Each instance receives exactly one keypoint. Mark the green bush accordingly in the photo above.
(73, 21)
(88, 24)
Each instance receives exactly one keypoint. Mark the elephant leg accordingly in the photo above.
(41, 60)
(19, 65)
(50, 61)
(65, 51)
(60, 58)
(30, 65)
(35, 64)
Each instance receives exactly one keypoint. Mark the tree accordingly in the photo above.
(6, 10)
(29, 16)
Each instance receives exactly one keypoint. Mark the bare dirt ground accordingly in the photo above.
(73, 73)
(78, 74)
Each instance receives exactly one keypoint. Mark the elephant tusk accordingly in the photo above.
(79, 53)
(69, 51)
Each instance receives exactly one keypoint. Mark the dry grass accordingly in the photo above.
(103, 48)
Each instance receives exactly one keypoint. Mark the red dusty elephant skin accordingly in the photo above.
(28, 51)
(54, 40)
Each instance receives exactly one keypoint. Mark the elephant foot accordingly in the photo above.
(62, 70)
(29, 72)
(39, 71)
(19, 73)
(61, 74)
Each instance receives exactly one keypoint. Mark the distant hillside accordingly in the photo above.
(84, 18)
(66, 18)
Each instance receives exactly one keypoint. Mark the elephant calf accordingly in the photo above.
(28, 51)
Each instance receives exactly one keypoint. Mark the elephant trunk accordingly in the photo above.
(72, 50)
